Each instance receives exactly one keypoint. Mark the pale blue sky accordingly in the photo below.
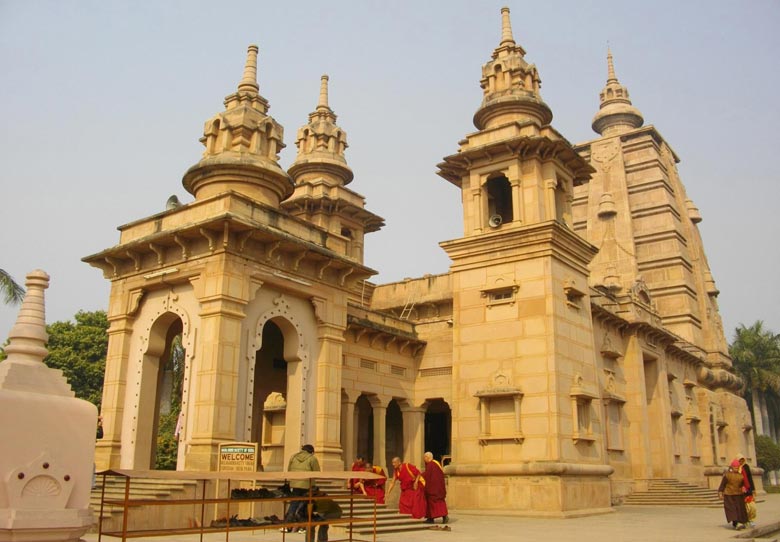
(103, 103)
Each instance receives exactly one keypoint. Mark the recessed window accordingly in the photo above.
(498, 296)
(499, 200)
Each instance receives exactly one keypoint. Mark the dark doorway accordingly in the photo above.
(365, 428)
(438, 429)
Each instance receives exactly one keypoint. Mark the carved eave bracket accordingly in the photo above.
(263, 243)
(384, 336)
(456, 167)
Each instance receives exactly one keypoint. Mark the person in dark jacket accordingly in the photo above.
(302, 461)
(323, 510)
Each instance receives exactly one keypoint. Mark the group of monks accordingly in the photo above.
(423, 494)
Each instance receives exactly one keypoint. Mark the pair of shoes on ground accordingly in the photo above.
(292, 530)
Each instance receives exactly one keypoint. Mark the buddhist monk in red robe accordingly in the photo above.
(358, 465)
(435, 490)
(375, 488)
(412, 499)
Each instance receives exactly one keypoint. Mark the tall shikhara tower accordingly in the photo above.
(636, 211)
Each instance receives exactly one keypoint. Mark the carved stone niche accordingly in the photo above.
(492, 401)
(274, 413)
(581, 400)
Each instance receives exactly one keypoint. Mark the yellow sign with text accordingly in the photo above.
(238, 457)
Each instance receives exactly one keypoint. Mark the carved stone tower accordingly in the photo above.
(321, 173)
(524, 371)
(258, 296)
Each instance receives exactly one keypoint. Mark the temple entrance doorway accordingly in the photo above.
(160, 395)
(269, 393)
(438, 429)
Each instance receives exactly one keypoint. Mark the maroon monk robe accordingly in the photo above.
(409, 503)
(356, 467)
(435, 490)
(376, 488)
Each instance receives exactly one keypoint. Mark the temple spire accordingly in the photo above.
(506, 28)
(321, 144)
(242, 138)
(249, 80)
(510, 85)
(24, 369)
(323, 103)
(616, 113)
(611, 77)
(28, 337)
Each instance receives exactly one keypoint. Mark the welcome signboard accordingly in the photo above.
(238, 457)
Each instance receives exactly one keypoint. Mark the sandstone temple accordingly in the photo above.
(572, 353)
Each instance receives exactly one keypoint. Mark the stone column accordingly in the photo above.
(348, 424)
(379, 410)
(549, 199)
(328, 392)
(414, 426)
(108, 449)
(216, 376)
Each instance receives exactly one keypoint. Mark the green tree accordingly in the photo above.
(79, 350)
(167, 439)
(756, 354)
(11, 291)
(767, 453)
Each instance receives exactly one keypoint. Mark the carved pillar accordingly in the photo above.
(549, 199)
(414, 426)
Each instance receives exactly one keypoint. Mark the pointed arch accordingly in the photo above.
(161, 327)
(294, 350)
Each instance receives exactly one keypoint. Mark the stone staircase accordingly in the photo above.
(388, 520)
(140, 488)
(671, 492)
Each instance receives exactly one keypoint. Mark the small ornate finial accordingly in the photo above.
(506, 28)
(323, 93)
(249, 80)
(610, 67)
(28, 337)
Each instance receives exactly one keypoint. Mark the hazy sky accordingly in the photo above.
(102, 104)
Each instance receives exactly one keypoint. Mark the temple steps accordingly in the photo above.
(672, 492)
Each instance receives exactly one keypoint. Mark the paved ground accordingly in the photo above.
(628, 523)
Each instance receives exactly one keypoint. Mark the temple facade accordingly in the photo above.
(572, 353)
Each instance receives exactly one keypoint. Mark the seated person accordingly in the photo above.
(322, 510)
(358, 465)
(375, 488)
